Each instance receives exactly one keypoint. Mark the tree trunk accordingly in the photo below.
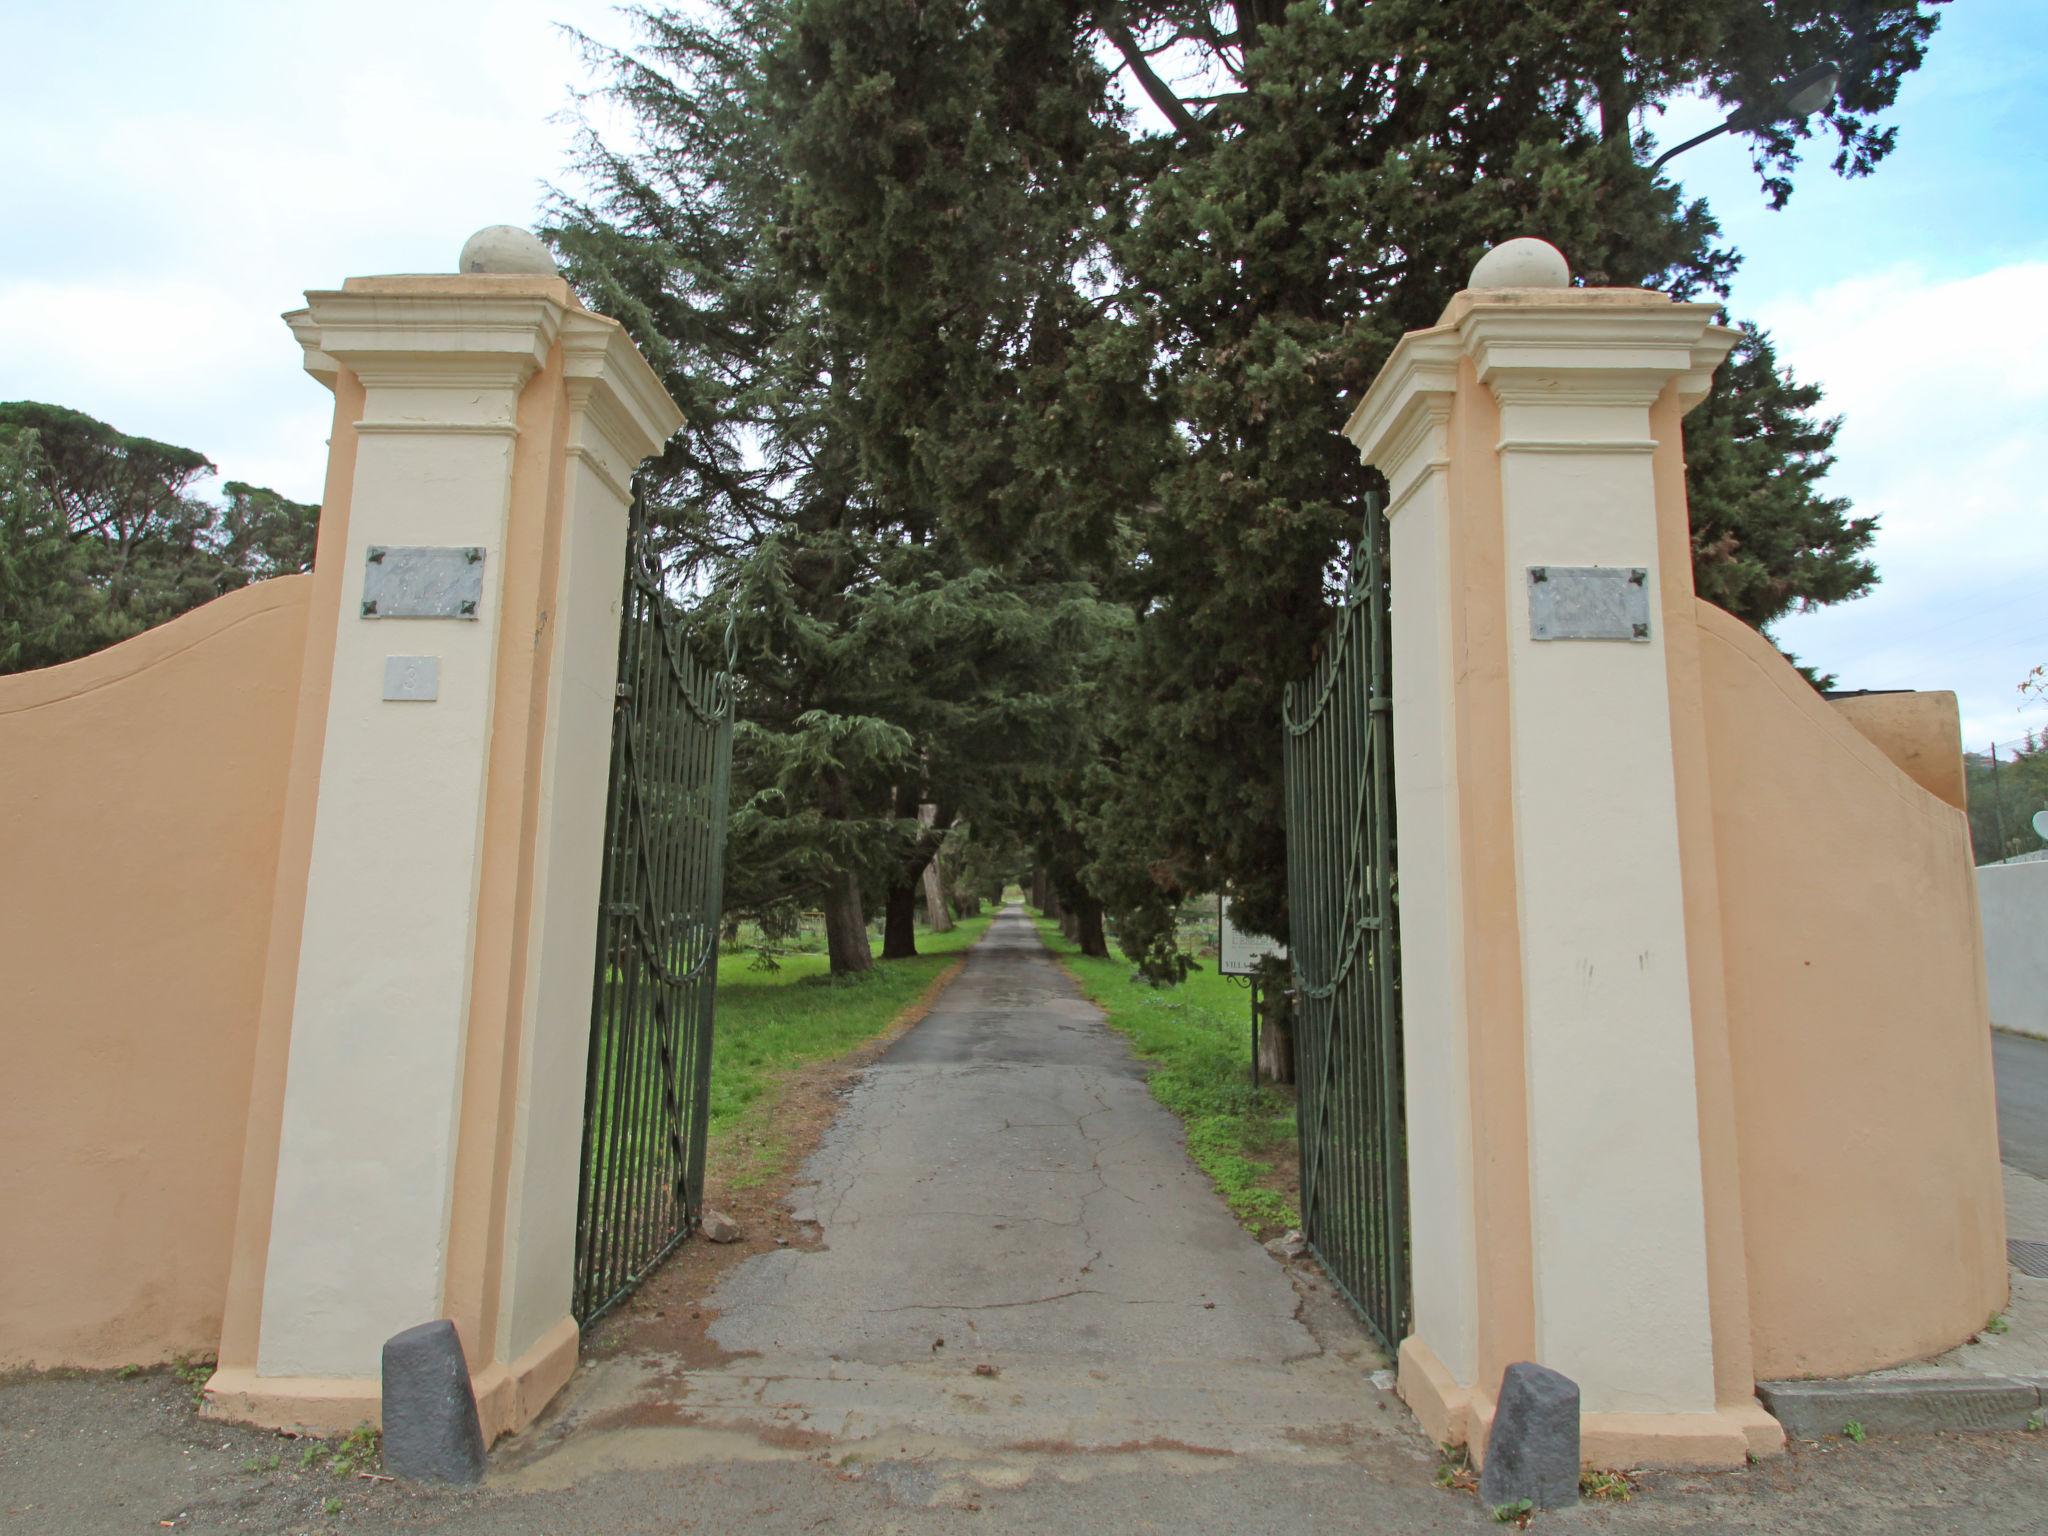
(1276, 1036)
(899, 923)
(937, 915)
(1039, 894)
(846, 928)
(1051, 905)
(1070, 926)
(1088, 923)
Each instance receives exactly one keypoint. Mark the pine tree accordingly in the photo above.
(1343, 167)
(1765, 538)
(143, 546)
(883, 664)
(948, 323)
(50, 611)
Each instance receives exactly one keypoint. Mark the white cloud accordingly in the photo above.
(1942, 393)
(179, 177)
(183, 360)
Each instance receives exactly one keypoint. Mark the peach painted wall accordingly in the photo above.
(141, 796)
(1866, 1125)
(1921, 732)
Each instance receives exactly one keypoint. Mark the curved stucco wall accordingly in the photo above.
(1872, 1214)
(141, 795)
(1921, 732)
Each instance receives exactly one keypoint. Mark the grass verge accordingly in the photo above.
(1197, 1038)
(769, 1023)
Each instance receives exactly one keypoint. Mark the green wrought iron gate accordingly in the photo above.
(645, 1098)
(1345, 948)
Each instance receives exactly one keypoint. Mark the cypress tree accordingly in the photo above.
(884, 664)
(1344, 166)
(953, 328)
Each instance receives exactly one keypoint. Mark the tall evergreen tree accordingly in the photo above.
(883, 665)
(1324, 188)
(938, 309)
(1766, 539)
(143, 546)
(50, 611)
(954, 182)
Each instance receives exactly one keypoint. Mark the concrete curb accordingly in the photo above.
(1810, 1410)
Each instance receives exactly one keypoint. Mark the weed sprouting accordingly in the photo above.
(1607, 1486)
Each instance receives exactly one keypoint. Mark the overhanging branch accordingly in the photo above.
(1172, 106)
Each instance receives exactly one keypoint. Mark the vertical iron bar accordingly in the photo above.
(603, 1005)
(632, 1038)
(647, 1078)
(1343, 926)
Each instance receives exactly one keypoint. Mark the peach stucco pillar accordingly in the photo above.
(1569, 1196)
(417, 1107)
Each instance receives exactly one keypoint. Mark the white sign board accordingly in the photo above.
(1238, 952)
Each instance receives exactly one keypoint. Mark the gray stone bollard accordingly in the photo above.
(431, 1431)
(1533, 1450)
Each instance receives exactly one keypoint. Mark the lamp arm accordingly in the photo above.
(1696, 139)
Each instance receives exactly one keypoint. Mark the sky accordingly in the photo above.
(1910, 297)
(178, 174)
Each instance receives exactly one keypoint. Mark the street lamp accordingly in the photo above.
(1798, 97)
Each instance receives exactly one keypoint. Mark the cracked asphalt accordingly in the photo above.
(1012, 1251)
(1002, 1181)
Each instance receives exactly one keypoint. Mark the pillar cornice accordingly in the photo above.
(619, 411)
(437, 333)
(1399, 426)
(1588, 347)
(306, 332)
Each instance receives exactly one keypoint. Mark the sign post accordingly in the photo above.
(1238, 954)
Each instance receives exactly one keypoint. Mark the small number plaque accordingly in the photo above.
(414, 679)
(423, 581)
(1589, 602)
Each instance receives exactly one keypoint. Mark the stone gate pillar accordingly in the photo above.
(416, 1109)
(1572, 1178)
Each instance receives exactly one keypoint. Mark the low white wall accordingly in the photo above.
(2014, 901)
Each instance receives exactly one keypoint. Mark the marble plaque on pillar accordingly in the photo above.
(423, 581)
(1589, 602)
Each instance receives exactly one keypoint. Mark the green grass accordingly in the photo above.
(1197, 1036)
(770, 1022)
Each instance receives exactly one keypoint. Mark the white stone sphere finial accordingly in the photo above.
(506, 248)
(1523, 263)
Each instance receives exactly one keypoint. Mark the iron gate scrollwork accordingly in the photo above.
(1345, 948)
(647, 1093)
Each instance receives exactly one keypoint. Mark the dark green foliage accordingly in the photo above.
(127, 502)
(2004, 796)
(1765, 539)
(978, 863)
(953, 181)
(140, 547)
(263, 534)
(49, 608)
(1359, 159)
(882, 663)
(970, 353)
